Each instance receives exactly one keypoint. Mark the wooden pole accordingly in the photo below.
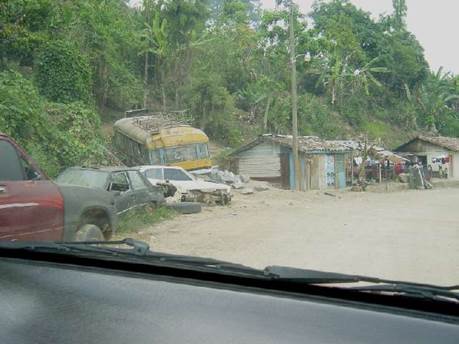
(294, 96)
(352, 168)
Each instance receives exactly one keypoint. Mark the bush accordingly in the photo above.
(141, 218)
(63, 74)
(75, 138)
(56, 135)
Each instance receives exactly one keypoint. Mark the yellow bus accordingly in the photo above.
(155, 140)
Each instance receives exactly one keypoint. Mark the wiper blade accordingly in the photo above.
(138, 247)
(313, 276)
(310, 277)
(140, 252)
(436, 292)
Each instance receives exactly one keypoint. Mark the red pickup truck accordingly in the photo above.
(32, 207)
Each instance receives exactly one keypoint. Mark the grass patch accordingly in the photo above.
(140, 218)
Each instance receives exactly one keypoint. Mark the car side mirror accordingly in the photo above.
(36, 175)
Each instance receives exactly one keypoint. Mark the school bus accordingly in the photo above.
(155, 140)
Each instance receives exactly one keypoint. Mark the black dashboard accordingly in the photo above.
(50, 303)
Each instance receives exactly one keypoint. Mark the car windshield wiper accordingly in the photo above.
(379, 285)
(139, 251)
(138, 247)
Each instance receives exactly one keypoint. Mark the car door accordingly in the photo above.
(141, 193)
(31, 207)
(154, 175)
(119, 185)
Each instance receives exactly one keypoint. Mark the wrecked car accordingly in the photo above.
(129, 187)
(189, 187)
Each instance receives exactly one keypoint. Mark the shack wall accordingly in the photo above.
(429, 151)
(455, 166)
(260, 161)
(320, 171)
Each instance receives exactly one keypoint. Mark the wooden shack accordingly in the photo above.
(269, 157)
(439, 152)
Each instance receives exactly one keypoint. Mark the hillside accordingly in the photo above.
(67, 67)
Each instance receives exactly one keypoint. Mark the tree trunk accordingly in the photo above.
(265, 118)
(163, 92)
(145, 82)
(333, 95)
(203, 118)
(177, 102)
(106, 85)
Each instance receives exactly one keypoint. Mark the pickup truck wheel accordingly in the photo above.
(89, 232)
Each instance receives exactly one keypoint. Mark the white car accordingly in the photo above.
(189, 187)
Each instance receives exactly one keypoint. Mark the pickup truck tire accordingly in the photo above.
(186, 207)
(89, 232)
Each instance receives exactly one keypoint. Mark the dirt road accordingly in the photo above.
(409, 235)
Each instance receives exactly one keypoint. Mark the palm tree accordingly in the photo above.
(362, 78)
(436, 96)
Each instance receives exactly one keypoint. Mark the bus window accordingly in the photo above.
(155, 157)
(183, 153)
(202, 151)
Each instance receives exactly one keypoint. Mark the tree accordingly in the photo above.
(63, 74)
(400, 11)
(437, 98)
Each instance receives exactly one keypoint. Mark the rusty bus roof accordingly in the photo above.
(142, 128)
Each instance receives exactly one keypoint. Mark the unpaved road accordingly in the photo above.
(408, 235)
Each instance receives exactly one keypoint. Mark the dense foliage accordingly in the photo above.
(225, 61)
(57, 135)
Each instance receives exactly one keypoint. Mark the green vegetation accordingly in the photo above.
(141, 218)
(65, 67)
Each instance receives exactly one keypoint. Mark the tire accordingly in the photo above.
(89, 232)
(186, 207)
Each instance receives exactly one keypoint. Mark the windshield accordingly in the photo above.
(86, 178)
(178, 154)
(175, 174)
(319, 134)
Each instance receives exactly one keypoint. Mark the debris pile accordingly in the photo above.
(243, 184)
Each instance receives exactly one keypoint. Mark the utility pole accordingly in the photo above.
(294, 97)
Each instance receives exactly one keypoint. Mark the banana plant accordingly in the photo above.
(436, 98)
(362, 78)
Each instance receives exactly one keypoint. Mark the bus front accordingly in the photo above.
(182, 146)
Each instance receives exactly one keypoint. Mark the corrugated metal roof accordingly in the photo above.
(451, 143)
(311, 144)
(306, 144)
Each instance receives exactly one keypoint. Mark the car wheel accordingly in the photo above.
(186, 207)
(89, 232)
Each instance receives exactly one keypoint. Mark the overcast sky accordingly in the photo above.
(434, 22)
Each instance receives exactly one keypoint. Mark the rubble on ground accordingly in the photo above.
(247, 191)
(240, 183)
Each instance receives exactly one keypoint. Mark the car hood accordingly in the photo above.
(199, 185)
